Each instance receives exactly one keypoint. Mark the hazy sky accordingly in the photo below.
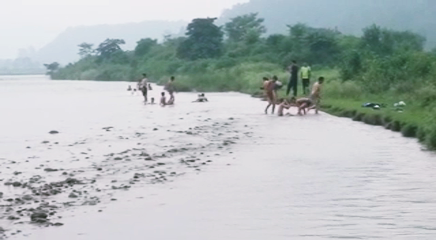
(26, 23)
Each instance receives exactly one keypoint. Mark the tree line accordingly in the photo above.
(379, 60)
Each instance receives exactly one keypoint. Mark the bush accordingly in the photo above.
(421, 134)
(90, 74)
(338, 89)
(359, 117)
(396, 126)
(373, 119)
(409, 130)
(430, 139)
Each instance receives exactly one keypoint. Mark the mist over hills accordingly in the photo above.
(63, 48)
(348, 16)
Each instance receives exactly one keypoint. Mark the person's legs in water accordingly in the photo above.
(144, 93)
(271, 102)
(171, 96)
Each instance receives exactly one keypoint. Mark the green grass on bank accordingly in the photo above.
(343, 99)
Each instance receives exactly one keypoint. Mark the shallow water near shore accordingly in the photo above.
(219, 170)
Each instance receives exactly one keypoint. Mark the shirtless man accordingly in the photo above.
(283, 105)
(169, 87)
(315, 95)
(303, 104)
(268, 87)
(163, 100)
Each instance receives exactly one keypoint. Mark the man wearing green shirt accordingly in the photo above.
(305, 73)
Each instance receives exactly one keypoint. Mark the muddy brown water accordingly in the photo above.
(219, 170)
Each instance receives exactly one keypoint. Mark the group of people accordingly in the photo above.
(144, 86)
(304, 104)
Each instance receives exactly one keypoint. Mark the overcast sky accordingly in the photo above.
(25, 23)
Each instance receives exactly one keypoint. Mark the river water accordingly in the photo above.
(253, 176)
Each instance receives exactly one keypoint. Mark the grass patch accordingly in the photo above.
(409, 130)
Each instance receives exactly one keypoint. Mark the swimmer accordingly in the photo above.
(268, 87)
(163, 100)
(129, 88)
(201, 98)
(152, 101)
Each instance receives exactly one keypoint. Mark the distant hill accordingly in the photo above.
(64, 48)
(349, 16)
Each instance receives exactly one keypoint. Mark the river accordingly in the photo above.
(217, 170)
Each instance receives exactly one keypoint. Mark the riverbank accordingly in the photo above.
(342, 99)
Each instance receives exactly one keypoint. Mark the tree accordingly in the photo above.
(85, 49)
(109, 47)
(144, 45)
(241, 27)
(52, 68)
(204, 40)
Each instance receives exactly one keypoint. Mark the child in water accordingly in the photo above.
(163, 100)
(152, 101)
(201, 98)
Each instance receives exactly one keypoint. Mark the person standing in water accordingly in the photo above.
(293, 82)
(268, 87)
(144, 86)
(305, 73)
(277, 84)
(315, 96)
(169, 87)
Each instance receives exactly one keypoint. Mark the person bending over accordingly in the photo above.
(285, 104)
